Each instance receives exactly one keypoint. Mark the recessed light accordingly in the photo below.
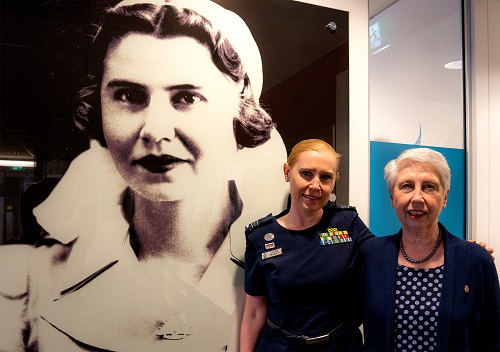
(454, 65)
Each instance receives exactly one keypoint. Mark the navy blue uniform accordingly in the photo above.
(310, 278)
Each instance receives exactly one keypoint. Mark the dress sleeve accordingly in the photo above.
(254, 275)
(13, 295)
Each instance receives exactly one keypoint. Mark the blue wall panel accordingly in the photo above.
(383, 219)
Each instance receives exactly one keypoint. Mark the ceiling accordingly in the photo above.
(43, 49)
(377, 6)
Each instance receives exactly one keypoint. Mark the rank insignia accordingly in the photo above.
(270, 245)
(334, 236)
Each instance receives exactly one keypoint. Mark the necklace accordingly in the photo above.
(421, 260)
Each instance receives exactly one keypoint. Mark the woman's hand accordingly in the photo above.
(484, 245)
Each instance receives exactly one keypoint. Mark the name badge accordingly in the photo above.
(273, 253)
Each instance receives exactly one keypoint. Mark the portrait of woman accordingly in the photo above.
(145, 231)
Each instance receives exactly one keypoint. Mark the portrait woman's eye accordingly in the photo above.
(132, 96)
(185, 99)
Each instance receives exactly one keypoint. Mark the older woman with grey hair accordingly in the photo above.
(440, 293)
(145, 230)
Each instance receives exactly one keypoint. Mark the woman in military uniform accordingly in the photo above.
(301, 266)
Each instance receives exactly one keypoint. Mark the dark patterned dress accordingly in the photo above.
(418, 294)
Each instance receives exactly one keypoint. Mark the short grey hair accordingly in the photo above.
(418, 155)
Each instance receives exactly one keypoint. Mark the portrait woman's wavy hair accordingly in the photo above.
(252, 126)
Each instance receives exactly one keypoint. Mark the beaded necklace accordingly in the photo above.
(420, 260)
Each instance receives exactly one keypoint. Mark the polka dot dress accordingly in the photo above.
(418, 292)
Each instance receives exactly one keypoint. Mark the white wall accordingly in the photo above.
(484, 124)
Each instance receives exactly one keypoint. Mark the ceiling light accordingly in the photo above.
(379, 50)
(454, 65)
(17, 163)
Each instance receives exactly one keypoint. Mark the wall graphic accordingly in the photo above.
(144, 234)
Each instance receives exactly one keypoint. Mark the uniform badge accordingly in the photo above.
(274, 253)
(269, 236)
(270, 245)
(334, 236)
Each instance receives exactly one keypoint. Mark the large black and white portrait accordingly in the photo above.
(174, 118)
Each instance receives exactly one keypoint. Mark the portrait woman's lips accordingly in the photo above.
(159, 164)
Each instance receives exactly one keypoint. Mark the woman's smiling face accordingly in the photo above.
(312, 178)
(167, 115)
(418, 195)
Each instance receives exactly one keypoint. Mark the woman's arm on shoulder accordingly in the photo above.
(14, 261)
(484, 245)
(254, 318)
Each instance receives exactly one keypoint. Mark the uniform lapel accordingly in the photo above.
(111, 304)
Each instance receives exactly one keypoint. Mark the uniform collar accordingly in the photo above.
(89, 192)
(113, 307)
(101, 295)
(85, 208)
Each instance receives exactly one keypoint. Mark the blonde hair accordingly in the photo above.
(308, 145)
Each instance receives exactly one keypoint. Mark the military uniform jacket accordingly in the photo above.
(310, 277)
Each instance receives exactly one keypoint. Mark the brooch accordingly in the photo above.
(169, 331)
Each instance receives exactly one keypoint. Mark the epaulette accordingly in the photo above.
(343, 207)
(257, 223)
